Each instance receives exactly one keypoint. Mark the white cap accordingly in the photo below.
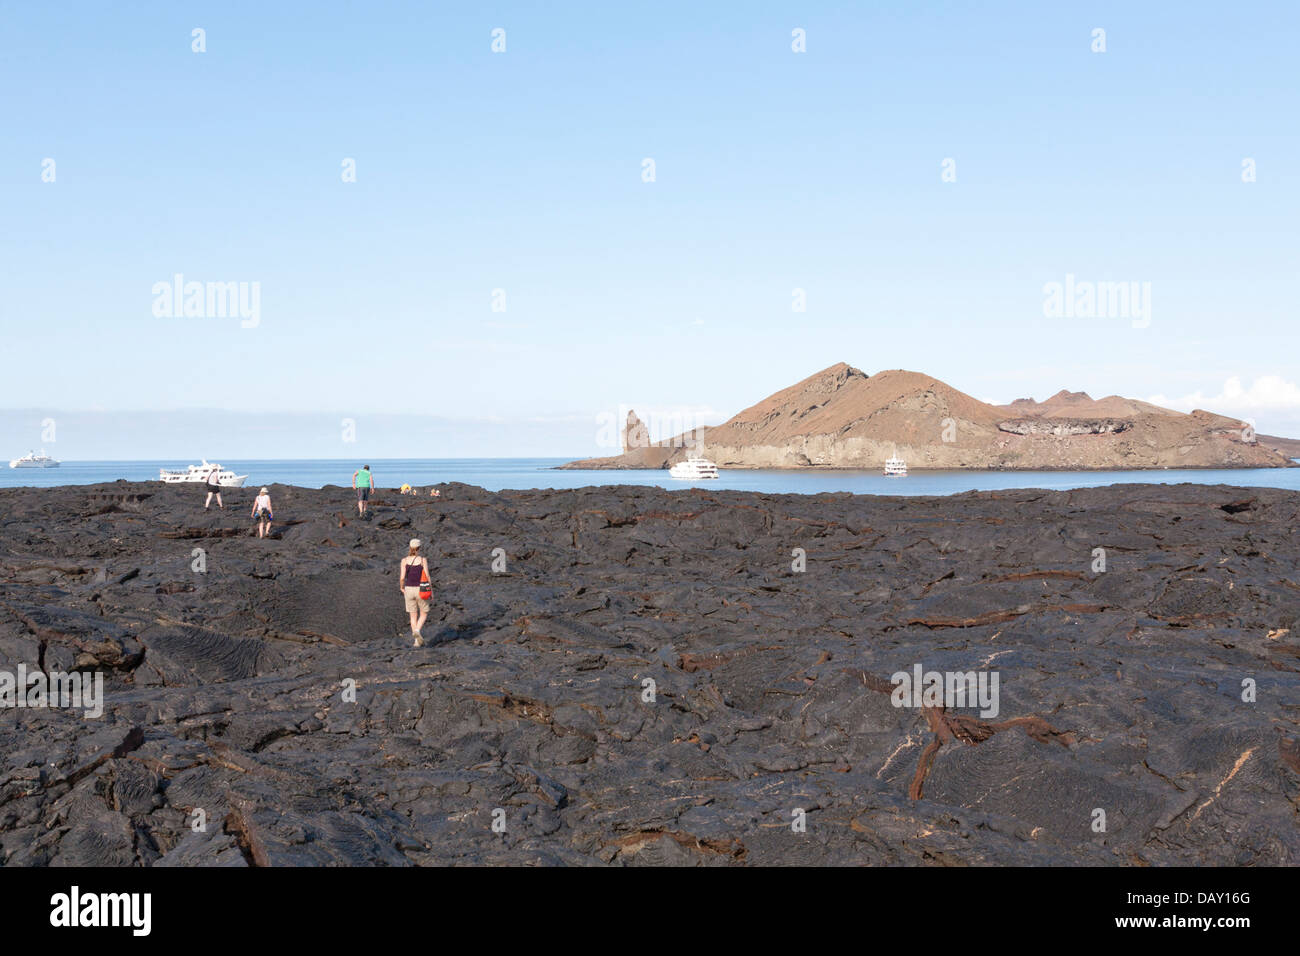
(264, 490)
(415, 542)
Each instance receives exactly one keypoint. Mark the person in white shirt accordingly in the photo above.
(262, 513)
(213, 483)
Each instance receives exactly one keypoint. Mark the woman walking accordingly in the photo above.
(413, 573)
(214, 487)
(262, 513)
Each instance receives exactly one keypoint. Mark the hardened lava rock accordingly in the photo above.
(632, 676)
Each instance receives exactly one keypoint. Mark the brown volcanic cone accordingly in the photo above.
(1079, 405)
(841, 417)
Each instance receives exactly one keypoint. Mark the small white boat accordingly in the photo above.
(694, 468)
(895, 467)
(198, 475)
(33, 460)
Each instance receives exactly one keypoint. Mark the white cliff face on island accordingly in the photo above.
(844, 418)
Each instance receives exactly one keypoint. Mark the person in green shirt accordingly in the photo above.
(363, 481)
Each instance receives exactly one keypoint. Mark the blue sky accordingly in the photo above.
(522, 171)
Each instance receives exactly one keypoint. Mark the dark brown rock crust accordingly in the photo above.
(1120, 691)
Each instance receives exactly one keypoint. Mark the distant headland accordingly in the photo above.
(843, 418)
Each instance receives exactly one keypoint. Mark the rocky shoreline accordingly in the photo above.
(632, 675)
(616, 464)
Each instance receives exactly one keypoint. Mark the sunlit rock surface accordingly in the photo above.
(229, 737)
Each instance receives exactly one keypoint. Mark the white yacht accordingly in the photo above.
(33, 460)
(895, 467)
(198, 474)
(694, 468)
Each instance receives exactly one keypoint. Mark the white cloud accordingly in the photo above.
(1268, 393)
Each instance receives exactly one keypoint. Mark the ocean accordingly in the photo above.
(498, 473)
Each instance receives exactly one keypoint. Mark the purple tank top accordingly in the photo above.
(411, 577)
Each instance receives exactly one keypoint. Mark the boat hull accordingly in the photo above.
(185, 478)
(33, 460)
(693, 471)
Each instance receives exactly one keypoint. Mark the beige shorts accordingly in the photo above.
(413, 600)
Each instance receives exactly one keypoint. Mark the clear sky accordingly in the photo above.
(522, 171)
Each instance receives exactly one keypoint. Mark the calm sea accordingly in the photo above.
(497, 473)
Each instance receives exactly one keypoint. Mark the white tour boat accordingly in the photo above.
(33, 460)
(694, 468)
(198, 475)
(895, 467)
